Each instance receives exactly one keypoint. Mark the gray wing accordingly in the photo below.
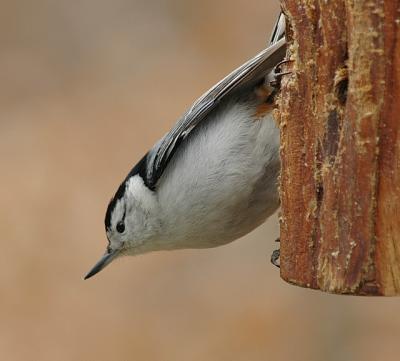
(279, 29)
(247, 74)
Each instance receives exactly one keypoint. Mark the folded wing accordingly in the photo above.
(241, 78)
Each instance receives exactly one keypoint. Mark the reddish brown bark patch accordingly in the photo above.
(339, 118)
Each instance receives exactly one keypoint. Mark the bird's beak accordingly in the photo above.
(107, 258)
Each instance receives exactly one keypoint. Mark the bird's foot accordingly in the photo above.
(275, 256)
(278, 73)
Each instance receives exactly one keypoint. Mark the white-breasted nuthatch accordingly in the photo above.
(213, 177)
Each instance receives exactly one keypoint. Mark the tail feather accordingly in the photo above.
(279, 29)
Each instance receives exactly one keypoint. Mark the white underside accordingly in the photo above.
(221, 183)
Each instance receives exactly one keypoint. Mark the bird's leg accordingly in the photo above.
(278, 74)
(267, 91)
(275, 256)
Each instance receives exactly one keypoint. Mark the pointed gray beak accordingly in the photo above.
(107, 258)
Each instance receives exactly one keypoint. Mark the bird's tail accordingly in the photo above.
(279, 29)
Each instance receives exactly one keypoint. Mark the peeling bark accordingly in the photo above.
(339, 114)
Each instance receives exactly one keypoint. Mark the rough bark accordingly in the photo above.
(339, 114)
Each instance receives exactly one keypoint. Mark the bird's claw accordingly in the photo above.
(275, 256)
(278, 74)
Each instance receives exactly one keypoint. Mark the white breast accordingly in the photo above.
(222, 182)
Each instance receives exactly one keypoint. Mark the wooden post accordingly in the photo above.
(339, 114)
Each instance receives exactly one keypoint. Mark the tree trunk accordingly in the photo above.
(339, 114)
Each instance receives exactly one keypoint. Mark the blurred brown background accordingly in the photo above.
(85, 89)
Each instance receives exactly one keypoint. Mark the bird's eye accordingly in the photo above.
(120, 227)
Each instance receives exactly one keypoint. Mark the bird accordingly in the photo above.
(214, 177)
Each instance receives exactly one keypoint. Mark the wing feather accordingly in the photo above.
(279, 29)
(247, 74)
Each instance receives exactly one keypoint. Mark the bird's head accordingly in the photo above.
(131, 222)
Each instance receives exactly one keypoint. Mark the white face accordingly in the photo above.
(132, 223)
(134, 219)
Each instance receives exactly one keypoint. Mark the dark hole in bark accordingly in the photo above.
(320, 192)
(332, 136)
(341, 91)
(319, 183)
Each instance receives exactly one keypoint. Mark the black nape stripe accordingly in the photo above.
(141, 169)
